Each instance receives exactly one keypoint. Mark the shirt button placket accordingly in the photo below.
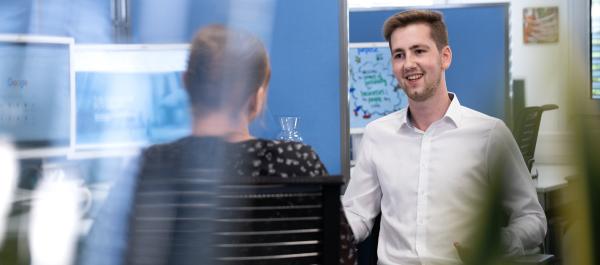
(422, 192)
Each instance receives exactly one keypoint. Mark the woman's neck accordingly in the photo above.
(224, 125)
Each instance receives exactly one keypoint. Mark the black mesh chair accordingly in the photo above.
(526, 130)
(251, 220)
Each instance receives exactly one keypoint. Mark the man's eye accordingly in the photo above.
(419, 51)
(398, 56)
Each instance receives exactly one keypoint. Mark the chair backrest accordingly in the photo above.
(527, 128)
(241, 220)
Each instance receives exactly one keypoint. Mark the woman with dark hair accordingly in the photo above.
(227, 81)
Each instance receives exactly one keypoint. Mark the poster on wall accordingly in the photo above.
(373, 91)
(540, 25)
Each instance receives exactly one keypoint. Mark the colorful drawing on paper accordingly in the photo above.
(373, 90)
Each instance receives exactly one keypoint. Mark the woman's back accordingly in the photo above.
(255, 157)
(176, 198)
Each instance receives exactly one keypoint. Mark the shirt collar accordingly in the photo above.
(452, 114)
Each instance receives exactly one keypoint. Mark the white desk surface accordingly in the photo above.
(552, 177)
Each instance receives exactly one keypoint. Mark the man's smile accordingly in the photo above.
(413, 77)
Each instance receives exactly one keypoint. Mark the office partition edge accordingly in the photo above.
(436, 6)
(508, 94)
(344, 118)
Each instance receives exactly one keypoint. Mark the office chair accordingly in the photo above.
(526, 130)
(240, 220)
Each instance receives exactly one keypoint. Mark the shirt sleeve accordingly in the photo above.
(527, 225)
(362, 199)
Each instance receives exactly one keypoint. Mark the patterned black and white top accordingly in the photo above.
(255, 157)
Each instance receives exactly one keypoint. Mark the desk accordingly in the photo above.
(552, 177)
(551, 182)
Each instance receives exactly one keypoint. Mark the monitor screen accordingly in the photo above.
(135, 103)
(373, 91)
(35, 82)
(595, 48)
(123, 109)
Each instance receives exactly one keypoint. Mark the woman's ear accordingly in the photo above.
(257, 102)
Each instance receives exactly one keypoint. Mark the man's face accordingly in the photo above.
(417, 63)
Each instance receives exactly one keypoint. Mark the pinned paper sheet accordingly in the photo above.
(540, 25)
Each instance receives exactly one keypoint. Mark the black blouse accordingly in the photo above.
(255, 157)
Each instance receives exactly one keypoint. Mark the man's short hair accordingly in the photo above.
(225, 68)
(435, 21)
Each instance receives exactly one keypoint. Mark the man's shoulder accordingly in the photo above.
(476, 118)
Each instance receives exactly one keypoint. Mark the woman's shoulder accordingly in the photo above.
(183, 148)
(283, 158)
(277, 147)
(169, 147)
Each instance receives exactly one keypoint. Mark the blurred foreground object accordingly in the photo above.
(55, 218)
(8, 180)
(248, 220)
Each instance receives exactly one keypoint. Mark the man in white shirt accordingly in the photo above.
(428, 168)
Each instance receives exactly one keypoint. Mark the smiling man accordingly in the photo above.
(428, 168)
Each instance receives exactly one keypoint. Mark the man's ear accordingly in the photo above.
(446, 57)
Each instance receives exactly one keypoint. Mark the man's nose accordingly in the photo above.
(409, 62)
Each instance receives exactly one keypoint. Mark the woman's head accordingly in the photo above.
(228, 71)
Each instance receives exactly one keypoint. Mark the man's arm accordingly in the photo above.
(362, 198)
(527, 225)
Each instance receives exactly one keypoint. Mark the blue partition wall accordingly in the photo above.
(306, 75)
(478, 36)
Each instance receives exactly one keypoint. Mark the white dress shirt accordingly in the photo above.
(430, 185)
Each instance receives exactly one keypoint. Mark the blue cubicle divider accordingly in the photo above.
(478, 37)
(304, 43)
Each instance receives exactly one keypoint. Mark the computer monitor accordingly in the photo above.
(35, 84)
(373, 91)
(129, 96)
